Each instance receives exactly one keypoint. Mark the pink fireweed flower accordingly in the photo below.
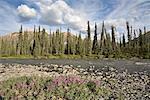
(57, 81)
(50, 87)
(97, 82)
(18, 85)
(24, 86)
(68, 80)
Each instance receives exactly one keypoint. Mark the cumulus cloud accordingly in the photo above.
(60, 13)
(75, 13)
(26, 13)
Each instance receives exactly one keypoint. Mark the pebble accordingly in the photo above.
(135, 86)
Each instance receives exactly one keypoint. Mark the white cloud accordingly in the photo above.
(134, 11)
(76, 13)
(8, 22)
(116, 12)
(60, 13)
(25, 12)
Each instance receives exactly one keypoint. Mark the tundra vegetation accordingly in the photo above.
(66, 82)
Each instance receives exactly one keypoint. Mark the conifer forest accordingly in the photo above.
(39, 43)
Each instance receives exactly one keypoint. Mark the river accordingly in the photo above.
(138, 65)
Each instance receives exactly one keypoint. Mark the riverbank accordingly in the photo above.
(64, 56)
(52, 81)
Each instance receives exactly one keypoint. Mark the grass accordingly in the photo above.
(16, 56)
(64, 56)
(50, 56)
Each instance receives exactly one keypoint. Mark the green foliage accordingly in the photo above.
(113, 38)
(128, 32)
(123, 41)
(68, 44)
(40, 44)
(102, 38)
(95, 42)
(45, 88)
(79, 46)
(88, 40)
(17, 56)
(92, 86)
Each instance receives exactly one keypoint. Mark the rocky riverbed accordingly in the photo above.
(112, 83)
(132, 65)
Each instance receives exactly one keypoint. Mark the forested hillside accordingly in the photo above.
(39, 43)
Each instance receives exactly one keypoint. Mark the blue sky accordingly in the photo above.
(73, 13)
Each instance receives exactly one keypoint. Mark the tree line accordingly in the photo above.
(40, 43)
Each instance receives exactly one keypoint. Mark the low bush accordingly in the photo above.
(65, 87)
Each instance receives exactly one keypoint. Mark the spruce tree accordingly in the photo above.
(73, 45)
(108, 44)
(89, 48)
(26, 43)
(123, 40)
(13, 47)
(102, 38)
(120, 43)
(68, 42)
(79, 45)
(57, 42)
(145, 41)
(53, 43)
(128, 33)
(44, 41)
(134, 38)
(20, 42)
(36, 48)
(95, 42)
(144, 30)
(113, 38)
(50, 42)
(2, 46)
(140, 42)
(61, 42)
(84, 44)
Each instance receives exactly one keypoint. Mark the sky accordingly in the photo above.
(73, 14)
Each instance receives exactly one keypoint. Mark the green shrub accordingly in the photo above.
(92, 86)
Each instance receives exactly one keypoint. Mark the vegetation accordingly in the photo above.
(40, 44)
(61, 87)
